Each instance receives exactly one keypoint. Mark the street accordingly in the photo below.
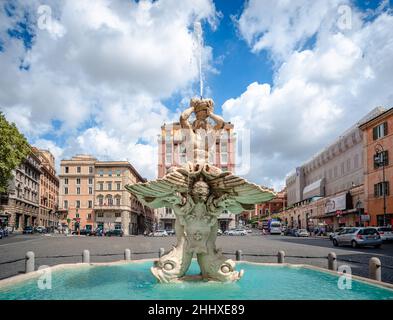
(57, 249)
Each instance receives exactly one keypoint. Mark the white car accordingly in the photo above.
(386, 233)
(236, 232)
(302, 233)
(160, 233)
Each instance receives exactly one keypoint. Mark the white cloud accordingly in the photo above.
(100, 65)
(317, 93)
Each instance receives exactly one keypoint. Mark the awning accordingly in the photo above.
(313, 189)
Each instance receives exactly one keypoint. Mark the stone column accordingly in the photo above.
(125, 222)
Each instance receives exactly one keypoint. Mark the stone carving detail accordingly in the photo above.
(198, 193)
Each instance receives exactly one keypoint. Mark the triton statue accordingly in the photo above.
(198, 193)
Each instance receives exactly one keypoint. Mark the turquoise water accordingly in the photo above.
(134, 281)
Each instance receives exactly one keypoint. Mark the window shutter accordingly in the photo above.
(375, 133)
(386, 158)
(385, 128)
(387, 188)
(375, 190)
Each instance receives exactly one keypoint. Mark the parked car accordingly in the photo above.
(171, 232)
(357, 237)
(28, 230)
(84, 232)
(1, 233)
(337, 231)
(99, 232)
(219, 232)
(236, 232)
(302, 233)
(4, 231)
(386, 233)
(114, 232)
(40, 229)
(159, 233)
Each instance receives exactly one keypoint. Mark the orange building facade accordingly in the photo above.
(378, 168)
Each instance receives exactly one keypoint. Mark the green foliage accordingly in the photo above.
(14, 148)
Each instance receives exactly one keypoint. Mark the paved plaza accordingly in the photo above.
(56, 249)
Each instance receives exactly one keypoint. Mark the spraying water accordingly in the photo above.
(199, 40)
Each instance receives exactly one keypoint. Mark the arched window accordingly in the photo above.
(109, 200)
(117, 200)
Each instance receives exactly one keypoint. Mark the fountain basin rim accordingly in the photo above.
(31, 275)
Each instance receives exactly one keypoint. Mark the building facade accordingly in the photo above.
(115, 207)
(20, 205)
(378, 144)
(172, 151)
(329, 186)
(76, 195)
(93, 195)
(49, 189)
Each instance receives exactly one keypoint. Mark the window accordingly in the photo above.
(101, 201)
(90, 204)
(356, 161)
(118, 201)
(118, 186)
(101, 186)
(110, 172)
(78, 169)
(100, 214)
(380, 159)
(380, 131)
(109, 186)
(118, 172)
(66, 181)
(77, 215)
(90, 190)
(65, 204)
(65, 190)
(110, 201)
(90, 180)
(118, 215)
(90, 169)
(101, 173)
(66, 170)
(89, 216)
(78, 190)
(78, 203)
(168, 211)
(78, 181)
(381, 189)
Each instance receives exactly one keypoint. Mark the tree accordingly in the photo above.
(14, 148)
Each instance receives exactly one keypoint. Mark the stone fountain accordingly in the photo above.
(198, 193)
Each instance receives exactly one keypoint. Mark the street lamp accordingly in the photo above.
(380, 159)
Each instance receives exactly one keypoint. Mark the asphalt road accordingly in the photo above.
(56, 249)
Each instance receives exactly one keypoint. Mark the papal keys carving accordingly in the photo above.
(198, 193)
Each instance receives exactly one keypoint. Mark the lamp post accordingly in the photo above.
(380, 159)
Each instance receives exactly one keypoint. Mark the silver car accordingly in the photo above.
(386, 233)
(357, 237)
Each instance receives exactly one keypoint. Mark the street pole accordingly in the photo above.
(384, 193)
(381, 161)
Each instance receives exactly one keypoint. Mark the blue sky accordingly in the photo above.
(101, 77)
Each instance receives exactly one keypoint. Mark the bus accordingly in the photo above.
(275, 227)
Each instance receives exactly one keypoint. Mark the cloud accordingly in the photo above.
(99, 67)
(318, 92)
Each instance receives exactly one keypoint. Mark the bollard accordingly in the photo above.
(86, 256)
(29, 262)
(161, 252)
(281, 256)
(374, 269)
(332, 261)
(238, 255)
(127, 254)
